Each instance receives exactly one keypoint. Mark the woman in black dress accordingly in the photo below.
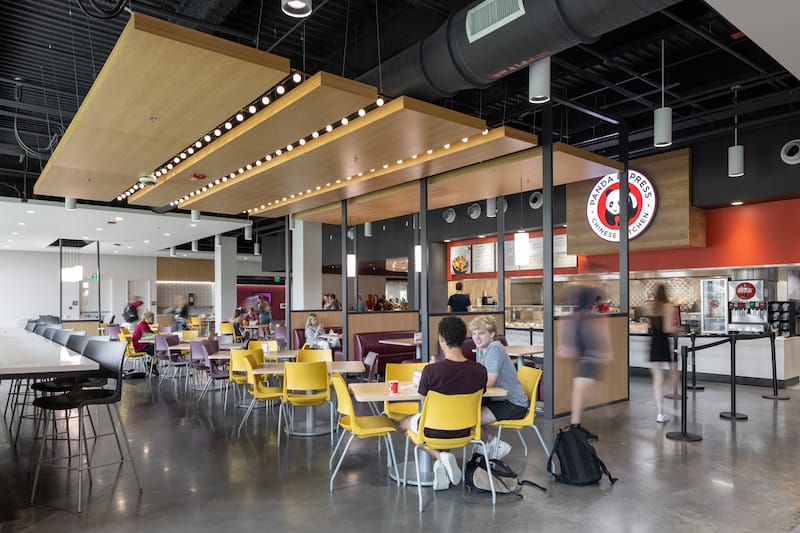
(659, 313)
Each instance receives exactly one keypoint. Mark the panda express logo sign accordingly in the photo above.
(603, 206)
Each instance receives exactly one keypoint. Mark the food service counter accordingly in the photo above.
(753, 359)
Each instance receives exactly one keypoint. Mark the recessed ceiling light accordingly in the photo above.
(129, 247)
(481, 236)
(184, 255)
(10, 240)
(30, 211)
(98, 229)
(146, 242)
(20, 223)
(84, 237)
(193, 225)
(737, 203)
(166, 234)
(116, 251)
(14, 233)
(119, 219)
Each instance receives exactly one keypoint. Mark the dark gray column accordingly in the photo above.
(424, 304)
(546, 142)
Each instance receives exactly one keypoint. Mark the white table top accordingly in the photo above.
(407, 392)
(26, 354)
(402, 342)
(343, 367)
(225, 355)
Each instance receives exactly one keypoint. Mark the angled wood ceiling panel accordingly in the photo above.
(396, 131)
(497, 142)
(320, 100)
(162, 87)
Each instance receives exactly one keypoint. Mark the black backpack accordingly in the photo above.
(577, 459)
(130, 314)
(506, 481)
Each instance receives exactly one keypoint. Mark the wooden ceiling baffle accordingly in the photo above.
(162, 87)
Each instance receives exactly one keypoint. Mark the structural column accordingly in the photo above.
(225, 279)
(306, 265)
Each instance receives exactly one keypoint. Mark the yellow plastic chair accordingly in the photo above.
(237, 371)
(138, 358)
(529, 378)
(401, 372)
(194, 323)
(258, 389)
(190, 335)
(308, 355)
(265, 346)
(363, 427)
(448, 412)
(304, 385)
(226, 328)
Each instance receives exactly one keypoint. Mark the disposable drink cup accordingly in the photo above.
(394, 386)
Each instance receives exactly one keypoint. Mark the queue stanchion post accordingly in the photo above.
(732, 414)
(774, 395)
(683, 435)
(674, 395)
(694, 386)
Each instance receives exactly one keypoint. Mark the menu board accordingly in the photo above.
(483, 257)
(460, 260)
(536, 245)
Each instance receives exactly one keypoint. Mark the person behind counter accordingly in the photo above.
(600, 306)
(459, 302)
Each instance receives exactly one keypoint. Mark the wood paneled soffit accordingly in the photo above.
(346, 159)
(162, 86)
(318, 101)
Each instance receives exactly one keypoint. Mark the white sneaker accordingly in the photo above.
(450, 464)
(662, 419)
(498, 449)
(440, 479)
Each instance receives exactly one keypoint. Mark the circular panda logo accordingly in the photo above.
(603, 206)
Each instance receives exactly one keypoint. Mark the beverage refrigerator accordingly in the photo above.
(714, 312)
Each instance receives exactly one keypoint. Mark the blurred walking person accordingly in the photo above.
(659, 312)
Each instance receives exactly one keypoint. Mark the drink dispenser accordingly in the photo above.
(748, 307)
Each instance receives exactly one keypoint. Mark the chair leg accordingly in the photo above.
(127, 445)
(541, 440)
(80, 460)
(280, 419)
(335, 449)
(390, 451)
(247, 414)
(341, 458)
(488, 470)
(419, 485)
(41, 454)
(405, 464)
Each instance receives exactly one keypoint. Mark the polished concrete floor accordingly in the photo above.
(198, 476)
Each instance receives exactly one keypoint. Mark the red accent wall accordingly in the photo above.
(278, 297)
(747, 235)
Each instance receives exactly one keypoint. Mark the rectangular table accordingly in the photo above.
(407, 392)
(342, 367)
(523, 351)
(410, 342)
(280, 354)
(28, 355)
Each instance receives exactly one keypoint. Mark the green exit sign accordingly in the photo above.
(277, 279)
(95, 276)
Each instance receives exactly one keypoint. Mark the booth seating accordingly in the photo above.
(363, 343)
(299, 339)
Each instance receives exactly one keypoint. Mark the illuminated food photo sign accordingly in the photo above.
(603, 206)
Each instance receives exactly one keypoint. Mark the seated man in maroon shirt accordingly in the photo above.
(455, 374)
(141, 328)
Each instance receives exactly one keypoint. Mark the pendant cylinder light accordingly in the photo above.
(195, 215)
(195, 246)
(539, 81)
(662, 117)
(735, 152)
(351, 265)
(217, 240)
(172, 251)
(491, 207)
(521, 248)
(417, 258)
(70, 204)
(257, 248)
(248, 232)
(367, 229)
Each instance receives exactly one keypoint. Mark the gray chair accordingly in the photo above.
(49, 332)
(62, 336)
(40, 329)
(110, 356)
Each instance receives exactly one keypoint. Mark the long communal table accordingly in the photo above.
(25, 354)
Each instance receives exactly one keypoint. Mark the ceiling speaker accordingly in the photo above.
(449, 215)
(790, 153)
(474, 211)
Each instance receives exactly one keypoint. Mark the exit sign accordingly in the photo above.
(94, 276)
(277, 279)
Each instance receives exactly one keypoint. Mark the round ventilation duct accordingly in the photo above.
(790, 153)
(449, 215)
(536, 199)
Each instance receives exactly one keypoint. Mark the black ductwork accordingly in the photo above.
(445, 62)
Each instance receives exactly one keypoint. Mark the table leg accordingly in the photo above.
(309, 427)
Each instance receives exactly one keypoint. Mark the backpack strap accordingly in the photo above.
(600, 462)
(550, 464)
(531, 483)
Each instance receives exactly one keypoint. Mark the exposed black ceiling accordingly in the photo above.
(50, 53)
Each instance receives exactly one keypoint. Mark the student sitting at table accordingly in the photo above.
(141, 328)
(315, 328)
(501, 373)
(455, 374)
